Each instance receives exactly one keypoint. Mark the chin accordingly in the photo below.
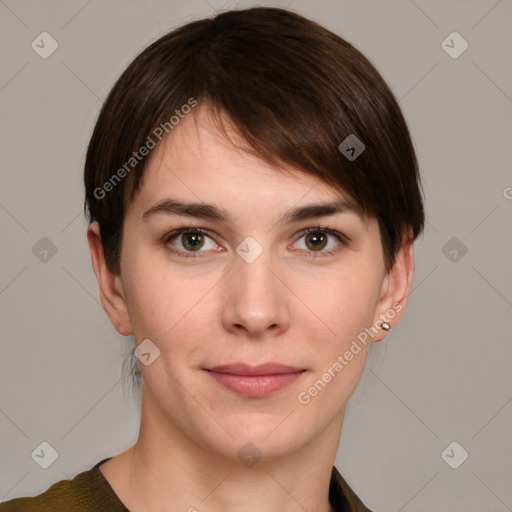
(268, 436)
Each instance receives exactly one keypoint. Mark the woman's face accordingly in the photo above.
(252, 289)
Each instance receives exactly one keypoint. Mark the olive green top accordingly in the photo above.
(89, 491)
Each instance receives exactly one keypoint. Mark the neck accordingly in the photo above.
(167, 466)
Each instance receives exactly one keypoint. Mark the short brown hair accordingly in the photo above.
(294, 91)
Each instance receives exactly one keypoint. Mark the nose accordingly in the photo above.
(255, 298)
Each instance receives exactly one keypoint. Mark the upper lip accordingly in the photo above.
(262, 369)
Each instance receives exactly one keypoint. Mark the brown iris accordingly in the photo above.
(192, 240)
(318, 240)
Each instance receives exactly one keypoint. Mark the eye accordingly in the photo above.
(317, 239)
(189, 240)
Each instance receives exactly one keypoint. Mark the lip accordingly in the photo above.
(261, 369)
(255, 381)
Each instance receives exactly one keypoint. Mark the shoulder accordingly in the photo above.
(87, 492)
(341, 495)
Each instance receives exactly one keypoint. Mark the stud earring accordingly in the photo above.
(385, 326)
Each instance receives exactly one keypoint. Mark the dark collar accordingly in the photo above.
(341, 496)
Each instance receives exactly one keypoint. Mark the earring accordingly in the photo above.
(385, 326)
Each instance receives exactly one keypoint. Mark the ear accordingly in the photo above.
(110, 285)
(395, 289)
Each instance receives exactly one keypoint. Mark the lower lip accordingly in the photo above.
(255, 385)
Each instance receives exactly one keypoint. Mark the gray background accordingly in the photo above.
(442, 375)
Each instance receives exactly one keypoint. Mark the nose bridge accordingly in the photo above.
(255, 298)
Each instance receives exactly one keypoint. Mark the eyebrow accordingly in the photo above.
(171, 206)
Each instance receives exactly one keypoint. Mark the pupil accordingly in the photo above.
(196, 240)
(320, 239)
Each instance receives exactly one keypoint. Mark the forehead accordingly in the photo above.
(203, 169)
(201, 154)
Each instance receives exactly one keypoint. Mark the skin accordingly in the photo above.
(292, 305)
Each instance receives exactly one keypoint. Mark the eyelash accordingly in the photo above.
(343, 239)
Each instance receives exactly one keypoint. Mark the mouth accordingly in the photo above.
(255, 381)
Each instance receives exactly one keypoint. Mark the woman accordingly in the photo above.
(253, 197)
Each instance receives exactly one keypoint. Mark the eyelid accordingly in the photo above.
(326, 229)
(341, 237)
(187, 229)
(343, 240)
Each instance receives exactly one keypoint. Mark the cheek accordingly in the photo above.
(345, 307)
(165, 306)
(347, 304)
